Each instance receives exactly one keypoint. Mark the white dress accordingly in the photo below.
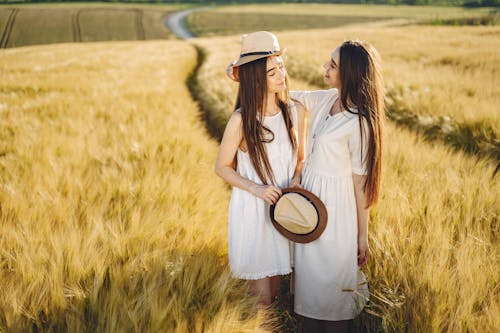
(256, 249)
(328, 283)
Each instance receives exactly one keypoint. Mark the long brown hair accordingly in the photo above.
(252, 96)
(361, 85)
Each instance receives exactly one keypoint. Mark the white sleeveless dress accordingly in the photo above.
(256, 249)
(328, 282)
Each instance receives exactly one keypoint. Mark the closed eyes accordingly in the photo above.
(332, 63)
(272, 71)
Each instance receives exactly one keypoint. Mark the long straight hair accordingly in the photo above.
(361, 85)
(252, 96)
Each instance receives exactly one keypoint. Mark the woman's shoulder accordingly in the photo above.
(236, 118)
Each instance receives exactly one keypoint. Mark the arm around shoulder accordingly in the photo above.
(301, 131)
(311, 99)
(301, 143)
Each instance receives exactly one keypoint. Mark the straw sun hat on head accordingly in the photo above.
(254, 46)
(299, 215)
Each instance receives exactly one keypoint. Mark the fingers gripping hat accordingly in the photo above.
(257, 45)
(299, 215)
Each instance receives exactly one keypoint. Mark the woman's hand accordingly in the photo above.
(268, 193)
(295, 182)
(363, 250)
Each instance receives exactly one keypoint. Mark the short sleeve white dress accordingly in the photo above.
(256, 249)
(328, 282)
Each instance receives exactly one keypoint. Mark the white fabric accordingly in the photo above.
(256, 248)
(328, 283)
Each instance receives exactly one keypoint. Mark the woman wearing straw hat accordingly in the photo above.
(342, 167)
(258, 156)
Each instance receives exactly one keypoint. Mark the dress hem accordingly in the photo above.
(258, 276)
(347, 317)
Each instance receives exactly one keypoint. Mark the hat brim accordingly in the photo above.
(249, 58)
(320, 209)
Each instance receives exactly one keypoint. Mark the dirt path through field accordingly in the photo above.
(175, 23)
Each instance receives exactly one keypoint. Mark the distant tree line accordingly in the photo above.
(465, 3)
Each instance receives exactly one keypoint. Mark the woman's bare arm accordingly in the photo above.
(224, 165)
(301, 138)
(363, 216)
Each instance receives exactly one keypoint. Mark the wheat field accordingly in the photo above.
(111, 217)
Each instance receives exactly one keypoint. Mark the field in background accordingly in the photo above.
(112, 219)
(434, 235)
(415, 12)
(228, 20)
(46, 24)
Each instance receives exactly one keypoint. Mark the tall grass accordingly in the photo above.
(111, 219)
(434, 235)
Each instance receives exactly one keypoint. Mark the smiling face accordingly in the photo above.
(332, 74)
(276, 74)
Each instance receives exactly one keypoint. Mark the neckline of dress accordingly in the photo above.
(273, 115)
(344, 112)
(335, 98)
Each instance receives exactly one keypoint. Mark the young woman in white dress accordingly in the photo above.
(342, 167)
(258, 156)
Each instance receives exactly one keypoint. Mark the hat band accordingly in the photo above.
(258, 53)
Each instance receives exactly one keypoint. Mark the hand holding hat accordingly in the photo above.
(299, 215)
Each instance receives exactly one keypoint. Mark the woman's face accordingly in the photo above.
(332, 74)
(276, 73)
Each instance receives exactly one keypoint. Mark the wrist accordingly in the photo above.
(252, 189)
(363, 236)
